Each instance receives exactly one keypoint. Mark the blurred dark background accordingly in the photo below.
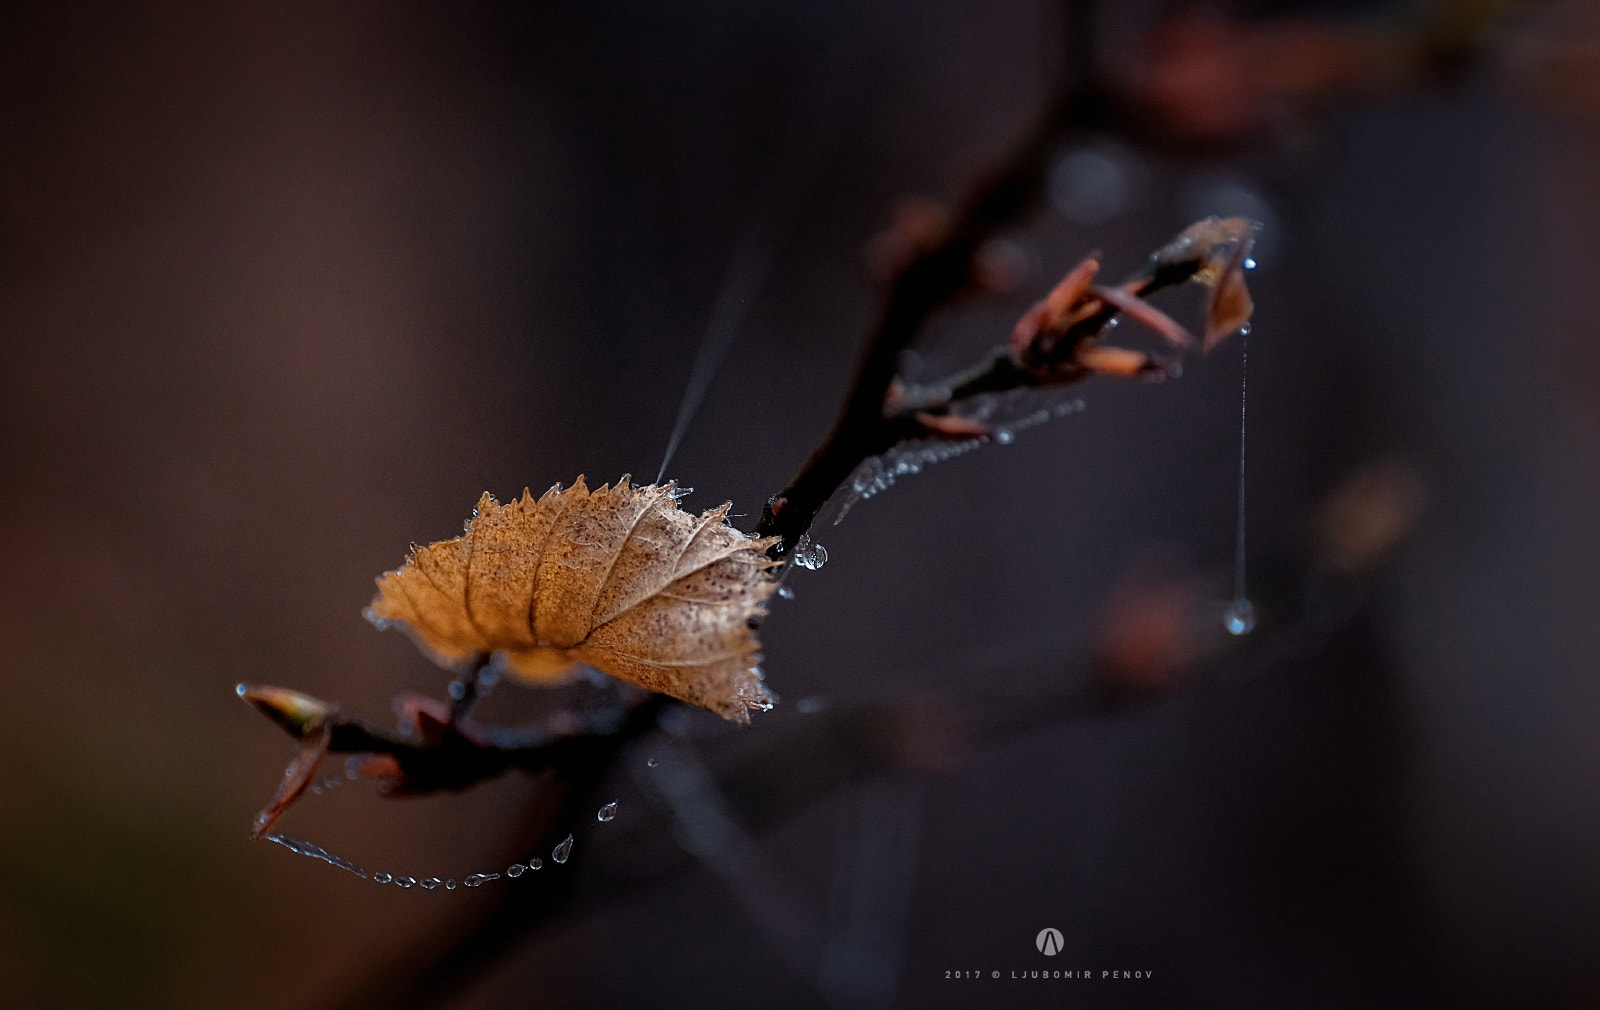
(283, 290)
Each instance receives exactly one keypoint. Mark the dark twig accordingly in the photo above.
(934, 277)
(1054, 344)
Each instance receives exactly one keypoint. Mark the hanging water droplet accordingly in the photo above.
(1249, 264)
(382, 878)
(405, 881)
(785, 593)
(429, 883)
(809, 555)
(608, 811)
(457, 690)
(516, 870)
(489, 676)
(240, 689)
(651, 762)
(535, 863)
(1241, 617)
(479, 879)
(563, 850)
(450, 885)
(679, 493)
(1244, 330)
(1003, 436)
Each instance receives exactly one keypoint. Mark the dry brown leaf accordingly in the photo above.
(620, 579)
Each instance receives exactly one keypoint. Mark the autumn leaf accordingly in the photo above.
(619, 578)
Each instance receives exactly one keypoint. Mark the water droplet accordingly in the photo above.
(608, 811)
(382, 878)
(479, 879)
(457, 690)
(1003, 436)
(240, 689)
(563, 850)
(450, 885)
(810, 555)
(1241, 617)
(1249, 264)
(679, 493)
(489, 676)
(535, 863)
(784, 592)
(405, 881)
(1244, 331)
(429, 883)
(331, 782)
(316, 790)
(516, 870)
(651, 762)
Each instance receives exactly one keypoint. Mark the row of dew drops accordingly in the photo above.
(879, 473)
(560, 854)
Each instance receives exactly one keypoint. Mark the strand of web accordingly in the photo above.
(792, 165)
(876, 474)
(1241, 615)
(741, 282)
(559, 854)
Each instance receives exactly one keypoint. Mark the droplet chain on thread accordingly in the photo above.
(1241, 616)
(560, 854)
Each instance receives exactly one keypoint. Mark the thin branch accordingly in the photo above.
(933, 278)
